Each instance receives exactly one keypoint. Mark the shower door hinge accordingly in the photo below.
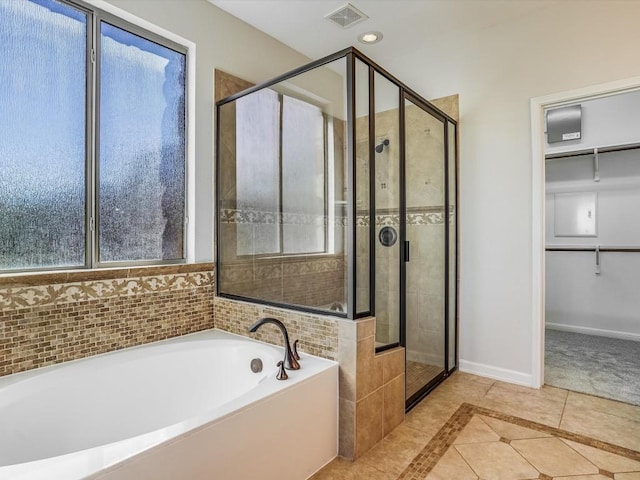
(93, 55)
(92, 224)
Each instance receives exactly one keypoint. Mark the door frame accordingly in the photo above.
(538, 105)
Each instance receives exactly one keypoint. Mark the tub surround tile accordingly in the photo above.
(347, 350)
(47, 324)
(393, 408)
(369, 422)
(368, 368)
(366, 328)
(347, 428)
(51, 295)
(393, 363)
(72, 276)
(318, 334)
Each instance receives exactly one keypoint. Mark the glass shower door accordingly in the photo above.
(425, 249)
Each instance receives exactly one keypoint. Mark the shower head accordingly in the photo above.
(381, 146)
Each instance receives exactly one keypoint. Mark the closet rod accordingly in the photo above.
(587, 248)
(591, 151)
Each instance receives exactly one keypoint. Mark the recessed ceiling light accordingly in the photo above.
(370, 37)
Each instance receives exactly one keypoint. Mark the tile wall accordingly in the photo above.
(54, 318)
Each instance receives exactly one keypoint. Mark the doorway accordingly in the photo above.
(584, 262)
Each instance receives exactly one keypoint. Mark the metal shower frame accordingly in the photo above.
(405, 93)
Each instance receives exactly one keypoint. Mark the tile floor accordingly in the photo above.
(418, 375)
(498, 431)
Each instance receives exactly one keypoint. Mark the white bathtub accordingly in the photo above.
(184, 408)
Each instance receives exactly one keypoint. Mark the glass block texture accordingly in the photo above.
(141, 168)
(42, 135)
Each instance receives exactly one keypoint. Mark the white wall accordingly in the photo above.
(222, 42)
(559, 47)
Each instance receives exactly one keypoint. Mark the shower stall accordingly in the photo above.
(336, 194)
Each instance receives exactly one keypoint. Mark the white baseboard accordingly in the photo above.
(593, 331)
(497, 373)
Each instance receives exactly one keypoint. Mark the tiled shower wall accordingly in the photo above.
(53, 318)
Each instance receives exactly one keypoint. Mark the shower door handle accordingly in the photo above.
(406, 250)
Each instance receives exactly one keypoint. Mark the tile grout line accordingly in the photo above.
(462, 457)
(564, 407)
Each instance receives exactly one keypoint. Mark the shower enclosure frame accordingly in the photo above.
(351, 55)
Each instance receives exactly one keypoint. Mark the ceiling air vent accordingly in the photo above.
(346, 16)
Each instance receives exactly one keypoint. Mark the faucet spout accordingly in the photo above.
(290, 361)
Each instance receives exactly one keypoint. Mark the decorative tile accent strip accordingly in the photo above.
(384, 217)
(426, 460)
(318, 334)
(232, 215)
(47, 324)
(58, 294)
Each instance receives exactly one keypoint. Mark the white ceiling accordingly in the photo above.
(412, 29)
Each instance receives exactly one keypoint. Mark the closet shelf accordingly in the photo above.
(592, 151)
(595, 153)
(592, 248)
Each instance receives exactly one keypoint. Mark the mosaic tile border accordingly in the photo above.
(432, 453)
(318, 334)
(384, 217)
(14, 298)
(234, 215)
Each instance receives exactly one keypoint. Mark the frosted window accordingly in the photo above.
(280, 175)
(258, 173)
(42, 135)
(142, 149)
(303, 178)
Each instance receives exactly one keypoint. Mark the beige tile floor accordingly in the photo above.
(546, 440)
(418, 375)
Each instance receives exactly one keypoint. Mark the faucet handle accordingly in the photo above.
(282, 374)
(295, 350)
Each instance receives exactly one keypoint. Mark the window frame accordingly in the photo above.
(325, 142)
(97, 11)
